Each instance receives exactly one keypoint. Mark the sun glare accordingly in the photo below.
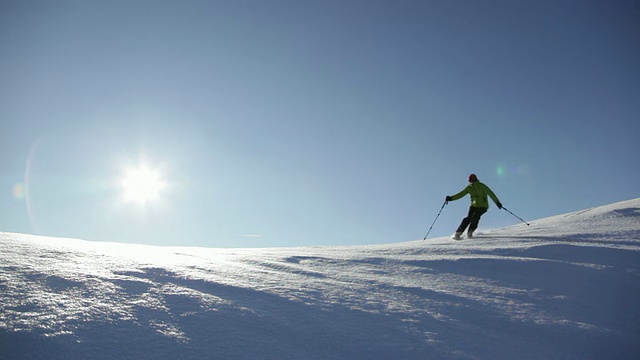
(142, 185)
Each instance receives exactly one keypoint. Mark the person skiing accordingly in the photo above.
(479, 205)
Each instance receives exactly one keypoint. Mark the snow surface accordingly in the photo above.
(565, 287)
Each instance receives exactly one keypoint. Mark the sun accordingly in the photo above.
(142, 185)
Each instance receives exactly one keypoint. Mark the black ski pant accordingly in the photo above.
(472, 219)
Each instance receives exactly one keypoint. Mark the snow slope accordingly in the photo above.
(565, 287)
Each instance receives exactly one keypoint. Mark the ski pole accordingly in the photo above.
(434, 221)
(507, 210)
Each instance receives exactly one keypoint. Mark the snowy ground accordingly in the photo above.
(566, 287)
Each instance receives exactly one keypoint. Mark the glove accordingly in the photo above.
(448, 198)
(499, 205)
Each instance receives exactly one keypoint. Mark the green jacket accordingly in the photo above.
(478, 192)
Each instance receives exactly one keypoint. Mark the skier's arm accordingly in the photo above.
(459, 195)
(493, 197)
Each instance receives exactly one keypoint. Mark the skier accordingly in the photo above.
(479, 205)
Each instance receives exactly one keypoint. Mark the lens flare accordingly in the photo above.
(27, 184)
(18, 191)
(503, 170)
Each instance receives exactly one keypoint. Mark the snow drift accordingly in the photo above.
(565, 287)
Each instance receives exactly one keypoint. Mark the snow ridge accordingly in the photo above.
(565, 287)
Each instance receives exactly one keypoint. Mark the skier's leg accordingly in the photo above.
(465, 222)
(475, 219)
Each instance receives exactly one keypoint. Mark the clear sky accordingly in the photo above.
(295, 123)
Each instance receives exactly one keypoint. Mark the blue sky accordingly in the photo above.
(297, 123)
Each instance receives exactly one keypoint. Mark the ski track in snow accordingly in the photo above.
(565, 287)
